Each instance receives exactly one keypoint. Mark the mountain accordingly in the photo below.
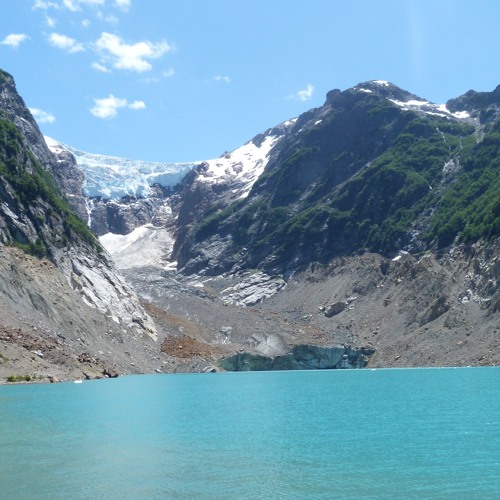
(61, 295)
(374, 169)
(363, 232)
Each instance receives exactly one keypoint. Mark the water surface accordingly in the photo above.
(415, 433)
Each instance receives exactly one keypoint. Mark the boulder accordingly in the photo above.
(334, 309)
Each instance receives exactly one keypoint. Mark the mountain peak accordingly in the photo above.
(386, 89)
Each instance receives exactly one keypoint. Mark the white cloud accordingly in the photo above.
(86, 23)
(107, 107)
(75, 5)
(303, 95)
(14, 40)
(42, 116)
(123, 4)
(168, 73)
(100, 67)
(72, 5)
(45, 5)
(108, 19)
(65, 43)
(134, 57)
(220, 78)
(137, 105)
(51, 22)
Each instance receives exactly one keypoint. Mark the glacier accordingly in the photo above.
(111, 177)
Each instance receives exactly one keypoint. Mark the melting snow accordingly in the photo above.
(430, 108)
(145, 246)
(243, 166)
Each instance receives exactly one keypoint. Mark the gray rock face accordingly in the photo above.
(124, 215)
(12, 106)
(253, 289)
(38, 222)
(103, 288)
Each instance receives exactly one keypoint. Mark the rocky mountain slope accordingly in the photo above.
(56, 277)
(363, 232)
(374, 169)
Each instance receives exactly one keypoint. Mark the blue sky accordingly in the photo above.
(186, 80)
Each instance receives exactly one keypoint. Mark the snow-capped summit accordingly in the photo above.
(243, 166)
(111, 177)
(408, 101)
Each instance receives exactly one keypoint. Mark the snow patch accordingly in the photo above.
(242, 167)
(145, 246)
(383, 83)
(429, 108)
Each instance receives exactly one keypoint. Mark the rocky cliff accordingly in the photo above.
(36, 217)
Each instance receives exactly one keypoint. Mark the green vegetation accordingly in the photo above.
(33, 186)
(470, 208)
(19, 378)
(3, 76)
(364, 182)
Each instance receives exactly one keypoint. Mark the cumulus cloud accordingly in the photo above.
(75, 5)
(72, 5)
(108, 19)
(121, 55)
(14, 40)
(137, 105)
(65, 43)
(50, 21)
(305, 94)
(123, 4)
(107, 107)
(220, 78)
(100, 67)
(42, 116)
(45, 5)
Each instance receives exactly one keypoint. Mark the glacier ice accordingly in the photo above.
(112, 177)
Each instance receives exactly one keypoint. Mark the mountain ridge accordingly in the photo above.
(365, 231)
(82, 289)
(329, 152)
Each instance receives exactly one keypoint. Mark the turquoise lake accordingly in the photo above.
(410, 433)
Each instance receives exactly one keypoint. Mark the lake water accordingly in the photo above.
(413, 433)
